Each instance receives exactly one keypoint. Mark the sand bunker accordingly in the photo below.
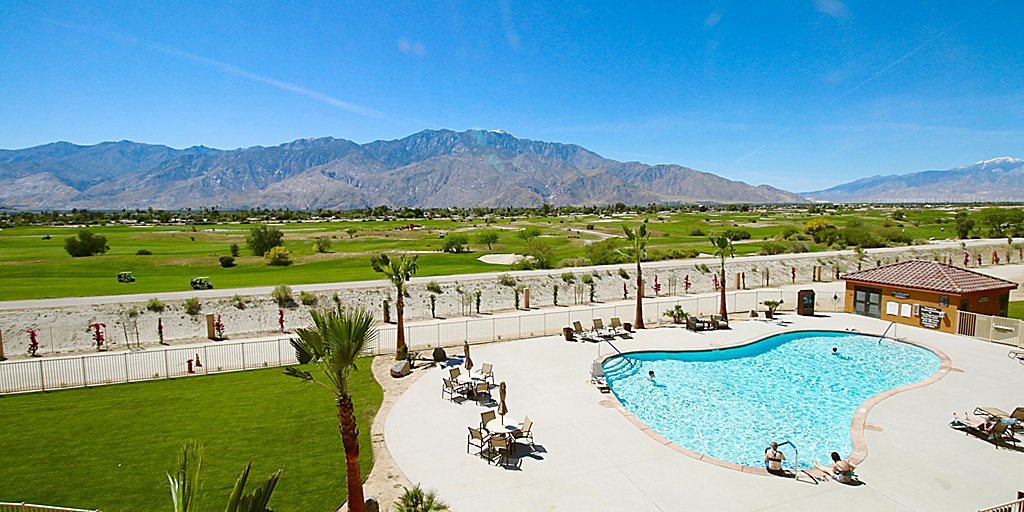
(500, 259)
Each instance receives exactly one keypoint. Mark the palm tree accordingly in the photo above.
(723, 249)
(415, 500)
(185, 485)
(399, 272)
(333, 342)
(637, 250)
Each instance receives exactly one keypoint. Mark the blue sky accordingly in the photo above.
(797, 94)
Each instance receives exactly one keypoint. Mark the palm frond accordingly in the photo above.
(184, 479)
(292, 371)
(257, 500)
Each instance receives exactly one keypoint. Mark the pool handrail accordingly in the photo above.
(796, 457)
(616, 349)
(886, 331)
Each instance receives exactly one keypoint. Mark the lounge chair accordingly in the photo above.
(452, 388)
(1016, 354)
(479, 440)
(617, 327)
(597, 376)
(992, 429)
(485, 418)
(719, 323)
(524, 431)
(487, 372)
(695, 324)
(1016, 418)
(600, 330)
(583, 334)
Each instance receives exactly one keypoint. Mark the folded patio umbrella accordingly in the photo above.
(469, 362)
(502, 408)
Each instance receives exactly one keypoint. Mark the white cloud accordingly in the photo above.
(712, 20)
(834, 8)
(411, 47)
(506, 25)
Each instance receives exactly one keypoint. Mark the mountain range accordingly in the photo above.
(996, 180)
(432, 168)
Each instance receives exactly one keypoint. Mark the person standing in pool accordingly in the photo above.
(773, 458)
(650, 375)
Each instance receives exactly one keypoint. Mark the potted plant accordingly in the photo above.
(772, 305)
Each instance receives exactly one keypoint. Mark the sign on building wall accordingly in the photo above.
(931, 317)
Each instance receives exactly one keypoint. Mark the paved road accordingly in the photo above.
(319, 287)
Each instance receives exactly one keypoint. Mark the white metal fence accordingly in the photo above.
(26, 507)
(1013, 506)
(997, 329)
(44, 374)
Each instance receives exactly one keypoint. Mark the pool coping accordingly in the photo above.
(857, 425)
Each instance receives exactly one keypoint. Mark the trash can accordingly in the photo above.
(567, 332)
(805, 302)
(627, 326)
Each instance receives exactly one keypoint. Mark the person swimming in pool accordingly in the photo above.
(835, 351)
(650, 375)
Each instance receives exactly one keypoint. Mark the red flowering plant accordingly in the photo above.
(97, 334)
(280, 319)
(33, 343)
(218, 328)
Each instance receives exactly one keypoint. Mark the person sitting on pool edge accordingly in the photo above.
(842, 470)
(773, 458)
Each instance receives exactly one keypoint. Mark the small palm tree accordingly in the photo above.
(399, 272)
(637, 250)
(185, 485)
(333, 342)
(723, 249)
(415, 500)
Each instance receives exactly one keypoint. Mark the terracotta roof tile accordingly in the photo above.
(930, 275)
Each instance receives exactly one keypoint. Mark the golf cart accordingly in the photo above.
(201, 283)
(125, 277)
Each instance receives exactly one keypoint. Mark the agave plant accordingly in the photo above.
(185, 485)
(415, 500)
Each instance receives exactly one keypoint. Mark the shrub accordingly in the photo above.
(282, 295)
(677, 314)
(227, 261)
(568, 277)
(737, 234)
(506, 280)
(772, 248)
(696, 232)
(587, 279)
(132, 312)
(797, 247)
(238, 301)
(590, 227)
(788, 231)
(308, 298)
(322, 244)
(263, 238)
(605, 252)
(541, 252)
(234, 250)
(193, 306)
(455, 243)
(143, 252)
(623, 274)
(279, 257)
(574, 262)
(433, 287)
(155, 305)
(87, 244)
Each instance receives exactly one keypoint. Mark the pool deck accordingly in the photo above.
(589, 456)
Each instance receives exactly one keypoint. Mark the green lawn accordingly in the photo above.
(110, 447)
(1017, 309)
(35, 268)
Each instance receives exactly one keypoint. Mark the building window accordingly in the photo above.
(944, 301)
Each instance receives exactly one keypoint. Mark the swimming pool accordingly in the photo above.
(730, 403)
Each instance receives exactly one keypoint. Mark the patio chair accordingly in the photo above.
(487, 372)
(487, 417)
(479, 440)
(719, 322)
(1016, 354)
(600, 329)
(1016, 418)
(452, 388)
(584, 335)
(480, 389)
(617, 327)
(454, 373)
(524, 431)
(695, 324)
(499, 450)
(597, 376)
(991, 429)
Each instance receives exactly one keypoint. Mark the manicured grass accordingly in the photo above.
(1016, 309)
(35, 268)
(110, 447)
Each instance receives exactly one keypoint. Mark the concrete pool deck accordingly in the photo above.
(589, 456)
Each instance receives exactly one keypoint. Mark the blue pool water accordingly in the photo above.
(729, 404)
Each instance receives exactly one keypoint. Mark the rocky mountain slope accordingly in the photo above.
(999, 179)
(432, 168)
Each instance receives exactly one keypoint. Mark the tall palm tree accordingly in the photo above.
(723, 249)
(399, 272)
(333, 342)
(637, 250)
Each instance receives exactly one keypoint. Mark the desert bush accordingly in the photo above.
(282, 295)
(307, 298)
(239, 302)
(605, 252)
(574, 262)
(155, 305)
(541, 252)
(737, 234)
(788, 231)
(278, 257)
(234, 250)
(87, 244)
(797, 247)
(193, 306)
(587, 279)
(435, 288)
(772, 248)
(506, 280)
(569, 277)
(590, 227)
(322, 244)
(227, 261)
(623, 274)
(143, 252)
(132, 312)
(677, 314)
(696, 232)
